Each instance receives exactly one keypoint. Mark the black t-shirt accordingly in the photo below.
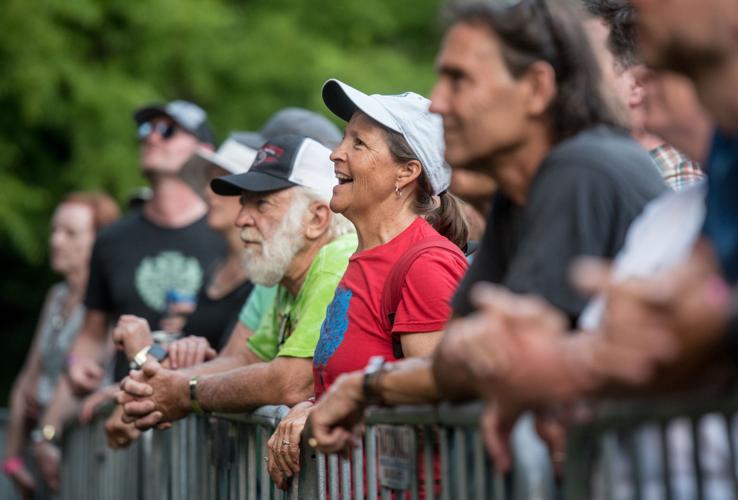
(584, 196)
(135, 263)
(214, 319)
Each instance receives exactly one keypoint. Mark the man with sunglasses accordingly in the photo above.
(166, 246)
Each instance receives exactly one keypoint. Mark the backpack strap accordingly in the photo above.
(392, 292)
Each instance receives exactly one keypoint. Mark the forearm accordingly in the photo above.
(259, 384)
(63, 405)
(223, 363)
(16, 434)
(451, 374)
(409, 381)
(91, 343)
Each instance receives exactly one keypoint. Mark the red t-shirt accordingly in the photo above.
(353, 331)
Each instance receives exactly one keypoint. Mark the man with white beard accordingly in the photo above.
(291, 239)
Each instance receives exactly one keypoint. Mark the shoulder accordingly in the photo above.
(600, 159)
(333, 257)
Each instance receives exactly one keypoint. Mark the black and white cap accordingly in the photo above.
(284, 161)
(407, 114)
(187, 115)
(234, 156)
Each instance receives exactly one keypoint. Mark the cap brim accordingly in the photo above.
(148, 112)
(257, 182)
(344, 100)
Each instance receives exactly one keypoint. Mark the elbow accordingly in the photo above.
(294, 395)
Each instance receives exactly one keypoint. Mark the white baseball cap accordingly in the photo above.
(234, 156)
(407, 114)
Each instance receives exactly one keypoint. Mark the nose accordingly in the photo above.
(244, 217)
(439, 99)
(338, 154)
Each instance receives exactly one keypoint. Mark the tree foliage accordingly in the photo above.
(72, 72)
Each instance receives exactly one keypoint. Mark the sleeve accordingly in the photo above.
(425, 302)
(98, 294)
(264, 341)
(259, 301)
(573, 214)
(319, 292)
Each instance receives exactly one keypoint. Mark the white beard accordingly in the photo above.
(268, 266)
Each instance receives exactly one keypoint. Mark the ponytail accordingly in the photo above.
(443, 212)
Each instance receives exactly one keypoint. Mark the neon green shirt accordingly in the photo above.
(291, 326)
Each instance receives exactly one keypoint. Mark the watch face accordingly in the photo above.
(158, 352)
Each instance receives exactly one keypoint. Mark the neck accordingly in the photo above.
(647, 140)
(384, 221)
(300, 265)
(173, 203)
(77, 281)
(515, 170)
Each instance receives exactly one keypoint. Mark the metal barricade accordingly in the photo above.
(411, 452)
(660, 448)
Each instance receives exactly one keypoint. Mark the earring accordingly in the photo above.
(398, 191)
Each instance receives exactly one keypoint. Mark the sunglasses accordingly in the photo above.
(164, 129)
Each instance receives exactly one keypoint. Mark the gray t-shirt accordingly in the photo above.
(584, 196)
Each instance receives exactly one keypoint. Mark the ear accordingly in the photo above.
(318, 221)
(540, 84)
(637, 86)
(407, 172)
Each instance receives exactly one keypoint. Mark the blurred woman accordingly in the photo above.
(74, 225)
(393, 300)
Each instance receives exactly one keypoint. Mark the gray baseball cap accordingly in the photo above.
(295, 121)
(187, 115)
(407, 114)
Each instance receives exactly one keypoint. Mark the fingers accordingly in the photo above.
(173, 352)
(149, 421)
(150, 368)
(496, 440)
(139, 408)
(135, 388)
(275, 472)
(210, 353)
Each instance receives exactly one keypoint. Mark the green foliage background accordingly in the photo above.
(71, 72)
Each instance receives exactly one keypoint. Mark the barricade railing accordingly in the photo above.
(632, 450)
(657, 448)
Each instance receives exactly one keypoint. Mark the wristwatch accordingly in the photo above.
(46, 434)
(194, 402)
(154, 350)
(369, 385)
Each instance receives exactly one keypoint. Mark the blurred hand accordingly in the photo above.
(119, 433)
(337, 418)
(176, 318)
(154, 395)
(189, 351)
(24, 482)
(84, 374)
(131, 334)
(48, 457)
(512, 346)
(96, 399)
(673, 322)
(284, 445)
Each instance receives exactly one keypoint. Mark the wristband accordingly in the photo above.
(196, 406)
(13, 465)
(371, 373)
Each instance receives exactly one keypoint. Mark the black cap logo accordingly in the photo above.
(268, 153)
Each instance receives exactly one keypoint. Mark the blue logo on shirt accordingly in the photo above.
(334, 326)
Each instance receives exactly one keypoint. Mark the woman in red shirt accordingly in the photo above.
(392, 182)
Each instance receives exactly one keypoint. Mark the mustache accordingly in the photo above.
(247, 234)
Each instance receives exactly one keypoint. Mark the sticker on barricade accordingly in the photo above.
(396, 456)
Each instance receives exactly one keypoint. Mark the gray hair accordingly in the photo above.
(340, 225)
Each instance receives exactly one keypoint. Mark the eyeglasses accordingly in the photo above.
(164, 129)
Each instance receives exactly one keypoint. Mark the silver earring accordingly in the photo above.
(398, 191)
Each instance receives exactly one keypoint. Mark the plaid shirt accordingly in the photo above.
(676, 169)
